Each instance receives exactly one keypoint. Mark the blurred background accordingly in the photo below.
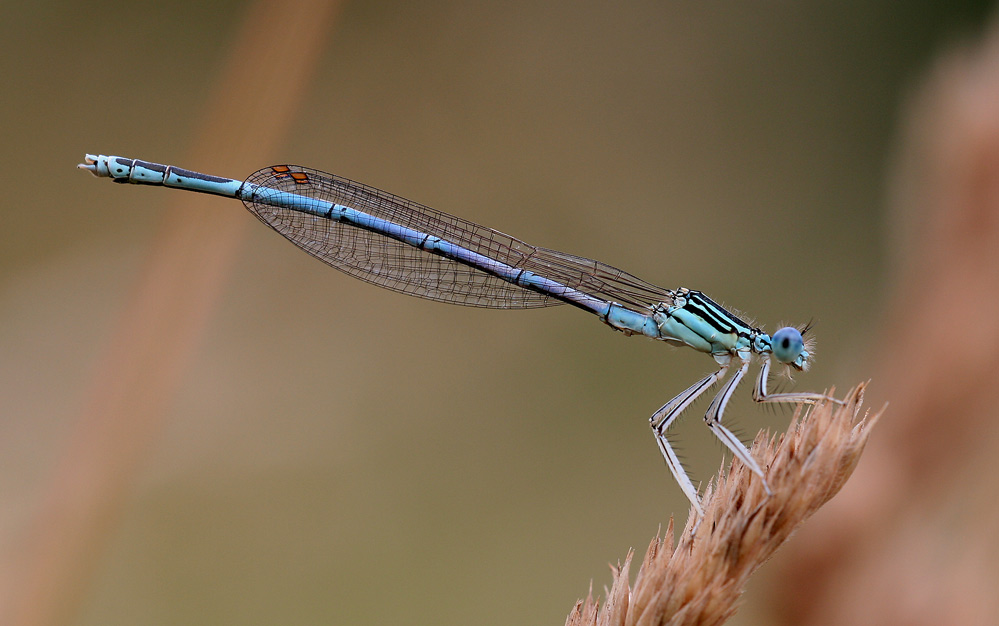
(294, 446)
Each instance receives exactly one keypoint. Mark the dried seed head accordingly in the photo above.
(702, 579)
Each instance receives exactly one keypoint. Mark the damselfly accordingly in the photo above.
(410, 248)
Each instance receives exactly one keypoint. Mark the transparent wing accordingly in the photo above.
(388, 263)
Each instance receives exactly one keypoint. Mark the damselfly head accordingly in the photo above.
(790, 348)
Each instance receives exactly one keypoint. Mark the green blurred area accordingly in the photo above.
(342, 454)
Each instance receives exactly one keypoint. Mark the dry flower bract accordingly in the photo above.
(701, 580)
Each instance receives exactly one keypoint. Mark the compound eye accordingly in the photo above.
(787, 344)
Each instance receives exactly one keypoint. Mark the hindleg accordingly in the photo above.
(662, 419)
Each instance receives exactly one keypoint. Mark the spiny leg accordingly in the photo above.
(795, 397)
(664, 417)
(713, 418)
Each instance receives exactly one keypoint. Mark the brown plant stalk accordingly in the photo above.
(45, 581)
(701, 580)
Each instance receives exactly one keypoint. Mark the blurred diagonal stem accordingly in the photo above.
(161, 325)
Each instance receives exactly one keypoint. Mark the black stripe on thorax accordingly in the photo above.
(716, 315)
